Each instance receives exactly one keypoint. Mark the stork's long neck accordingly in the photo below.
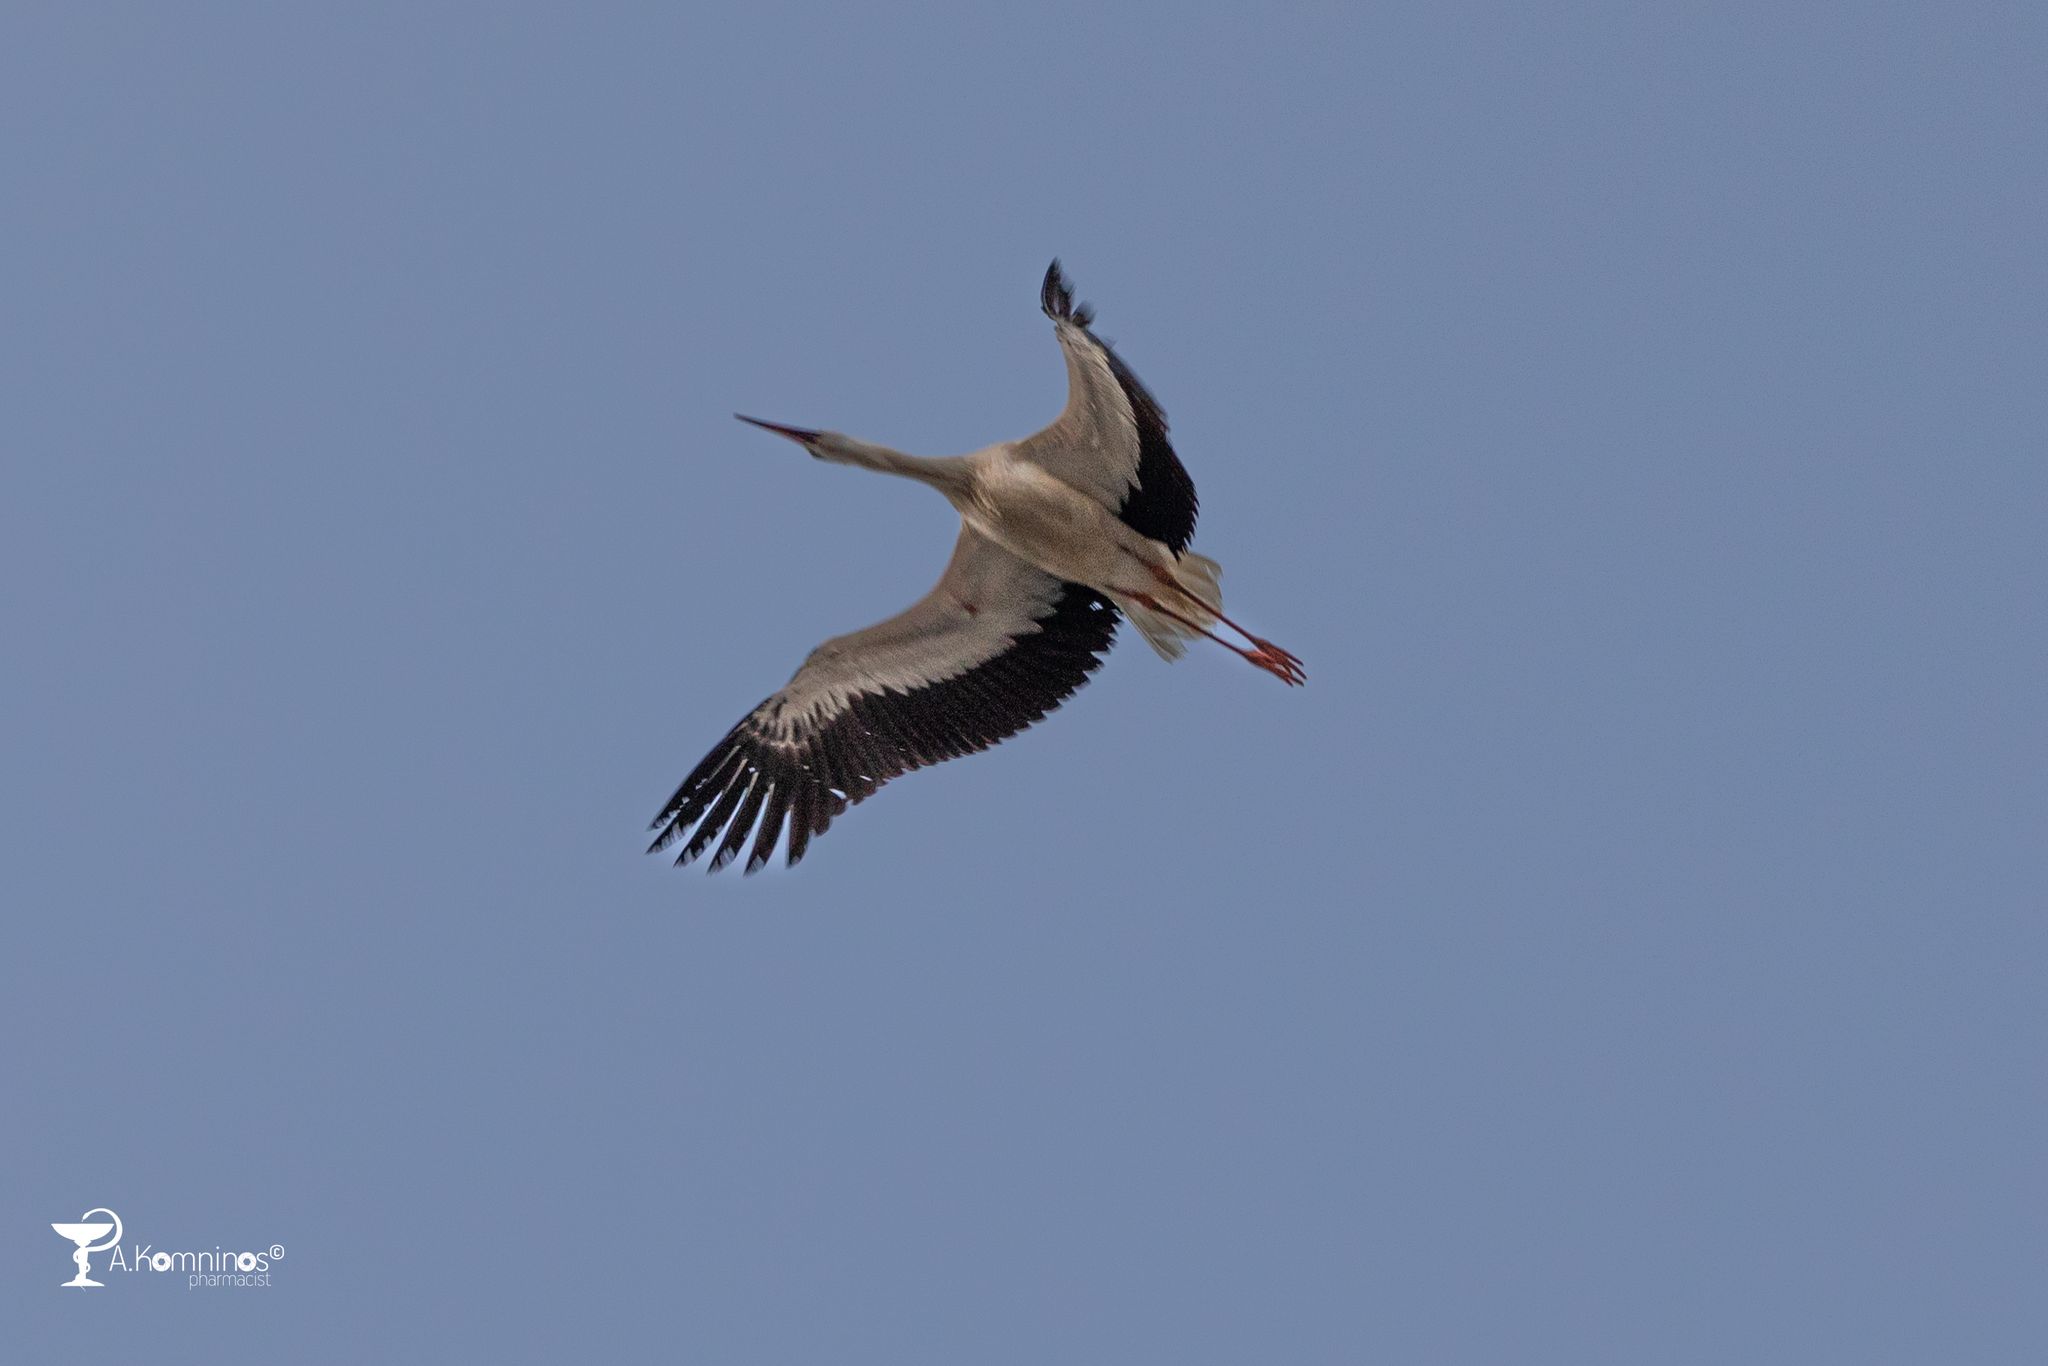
(948, 474)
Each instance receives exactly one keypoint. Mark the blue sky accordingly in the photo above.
(1627, 948)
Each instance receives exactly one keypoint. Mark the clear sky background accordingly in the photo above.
(1628, 948)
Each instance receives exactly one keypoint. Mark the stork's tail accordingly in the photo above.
(1199, 578)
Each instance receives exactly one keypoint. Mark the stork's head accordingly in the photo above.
(823, 445)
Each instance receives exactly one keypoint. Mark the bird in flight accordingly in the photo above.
(1058, 533)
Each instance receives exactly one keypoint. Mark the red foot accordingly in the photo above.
(1277, 662)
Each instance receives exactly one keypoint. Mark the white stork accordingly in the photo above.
(1058, 531)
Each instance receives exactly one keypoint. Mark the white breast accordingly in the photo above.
(1045, 521)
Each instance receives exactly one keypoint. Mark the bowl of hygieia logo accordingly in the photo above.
(215, 1267)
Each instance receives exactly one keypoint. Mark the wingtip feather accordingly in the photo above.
(1056, 297)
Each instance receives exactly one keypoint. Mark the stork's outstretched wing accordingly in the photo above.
(992, 648)
(1110, 442)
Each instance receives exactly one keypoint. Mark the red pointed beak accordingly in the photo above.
(798, 434)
